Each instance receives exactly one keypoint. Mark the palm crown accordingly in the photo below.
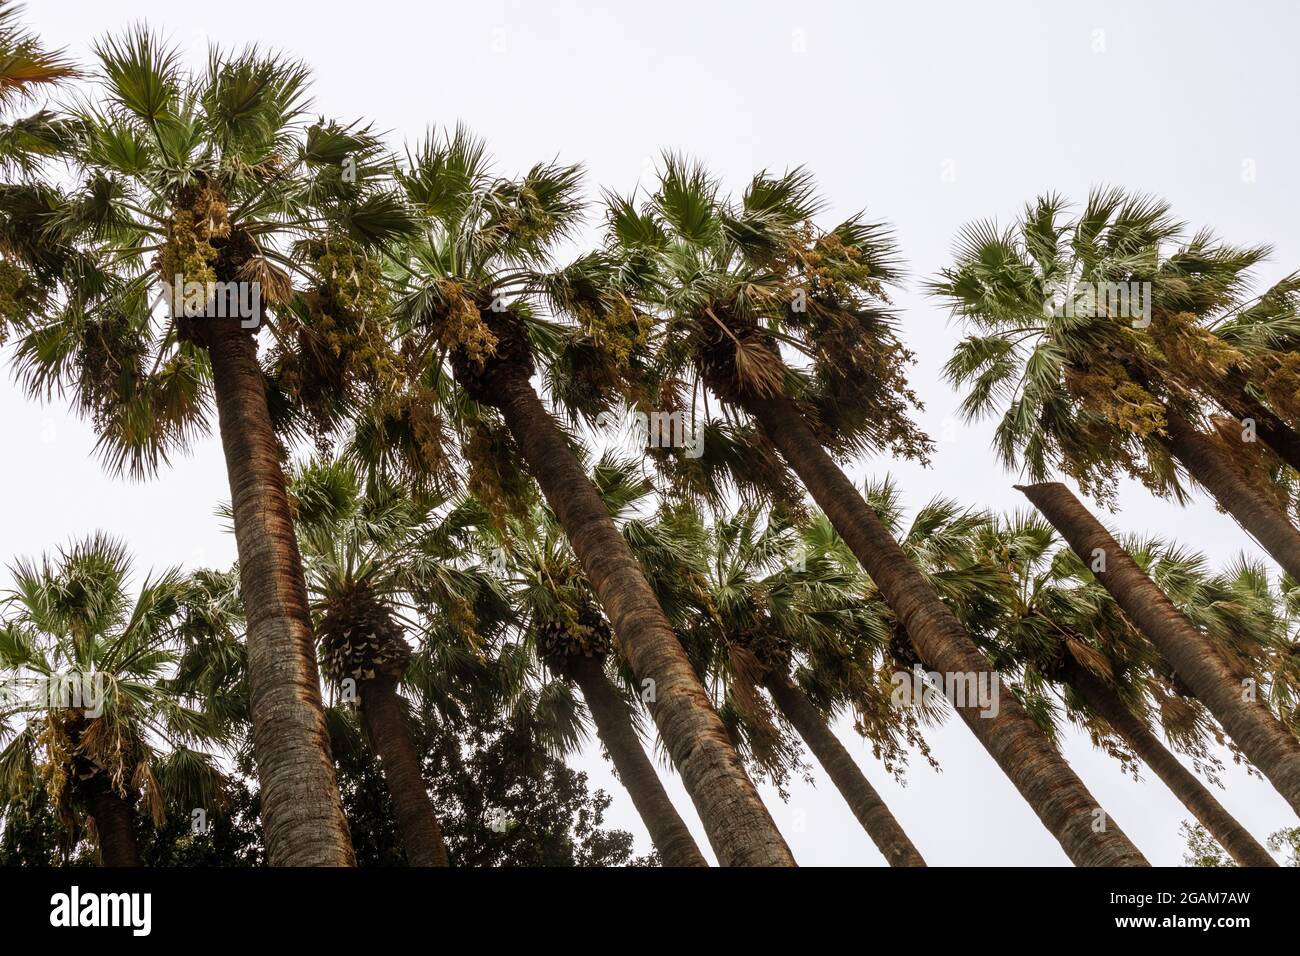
(187, 181)
(92, 709)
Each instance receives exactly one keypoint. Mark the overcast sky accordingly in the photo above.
(927, 115)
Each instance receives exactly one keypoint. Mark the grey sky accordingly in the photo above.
(926, 114)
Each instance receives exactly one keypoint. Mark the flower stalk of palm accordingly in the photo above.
(1061, 627)
(1227, 694)
(215, 178)
(566, 629)
(734, 283)
(476, 284)
(97, 724)
(1095, 392)
(764, 602)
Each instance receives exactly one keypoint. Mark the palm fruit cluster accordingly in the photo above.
(18, 297)
(618, 331)
(80, 753)
(767, 648)
(111, 358)
(339, 335)
(580, 632)
(460, 327)
(487, 343)
(200, 216)
(901, 649)
(360, 639)
(495, 477)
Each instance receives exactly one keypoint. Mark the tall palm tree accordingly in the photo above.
(1060, 627)
(563, 624)
(735, 283)
(1199, 663)
(475, 288)
(766, 604)
(1094, 392)
(191, 181)
(89, 716)
(368, 554)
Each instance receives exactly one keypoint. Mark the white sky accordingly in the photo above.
(927, 114)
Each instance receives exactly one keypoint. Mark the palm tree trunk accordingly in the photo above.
(112, 825)
(1234, 838)
(1269, 427)
(301, 808)
(1025, 755)
(1251, 506)
(739, 827)
(390, 735)
(1261, 737)
(848, 778)
(674, 842)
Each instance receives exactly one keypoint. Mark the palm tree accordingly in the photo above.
(563, 625)
(367, 555)
(734, 283)
(96, 725)
(1224, 690)
(1060, 627)
(197, 187)
(475, 287)
(1092, 391)
(765, 602)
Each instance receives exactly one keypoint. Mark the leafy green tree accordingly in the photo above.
(1203, 851)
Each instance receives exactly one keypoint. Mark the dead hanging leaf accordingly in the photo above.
(758, 369)
(144, 781)
(1092, 660)
(765, 738)
(1178, 715)
(275, 283)
(462, 327)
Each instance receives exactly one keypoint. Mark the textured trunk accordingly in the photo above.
(1259, 735)
(1194, 795)
(740, 829)
(856, 790)
(674, 842)
(1269, 428)
(1025, 755)
(1254, 510)
(301, 809)
(390, 735)
(113, 825)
